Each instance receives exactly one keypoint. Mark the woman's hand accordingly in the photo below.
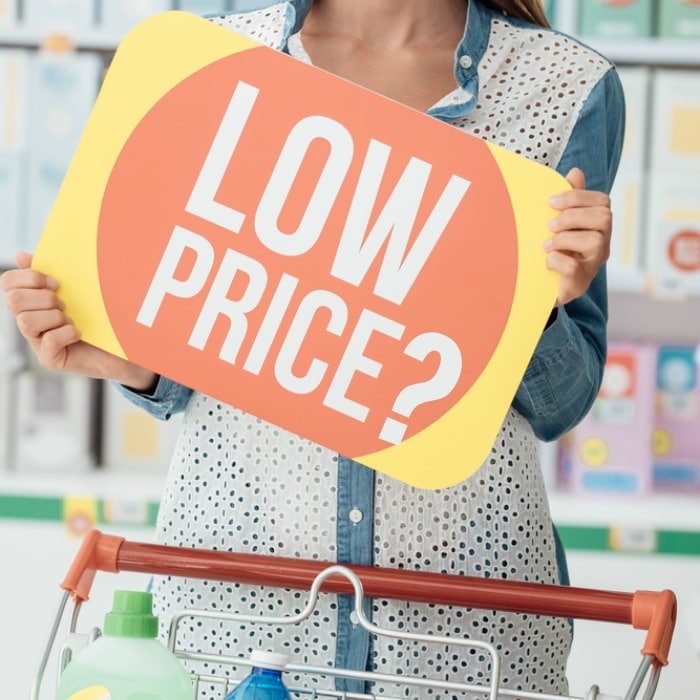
(31, 297)
(581, 241)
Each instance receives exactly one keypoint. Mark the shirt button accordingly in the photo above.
(354, 618)
(465, 61)
(355, 516)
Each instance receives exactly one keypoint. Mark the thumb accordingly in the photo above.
(23, 259)
(576, 179)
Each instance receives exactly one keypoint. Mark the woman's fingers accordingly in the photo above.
(52, 349)
(33, 324)
(23, 259)
(581, 240)
(22, 299)
(26, 278)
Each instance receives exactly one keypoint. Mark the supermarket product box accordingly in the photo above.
(627, 245)
(245, 5)
(5, 456)
(8, 13)
(7, 337)
(132, 439)
(636, 83)
(203, 7)
(676, 444)
(611, 19)
(63, 87)
(12, 204)
(626, 264)
(678, 19)
(549, 7)
(676, 120)
(44, 178)
(117, 18)
(609, 452)
(55, 430)
(69, 17)
(673, 233)
(14, 81)
(62, 91)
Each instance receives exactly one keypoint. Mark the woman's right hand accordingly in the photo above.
(31, 297)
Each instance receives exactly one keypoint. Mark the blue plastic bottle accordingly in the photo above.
(264, 682)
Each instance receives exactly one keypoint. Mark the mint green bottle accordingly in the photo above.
(127, 662)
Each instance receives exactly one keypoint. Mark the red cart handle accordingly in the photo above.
(654, 611)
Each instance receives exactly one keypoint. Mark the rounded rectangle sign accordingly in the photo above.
(324, 258)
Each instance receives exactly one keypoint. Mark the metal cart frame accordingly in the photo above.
(653, 611)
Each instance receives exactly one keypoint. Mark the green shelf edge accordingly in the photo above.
(575, 537)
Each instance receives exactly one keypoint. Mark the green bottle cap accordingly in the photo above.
(131, 616)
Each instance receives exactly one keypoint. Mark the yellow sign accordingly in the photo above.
(329, 260)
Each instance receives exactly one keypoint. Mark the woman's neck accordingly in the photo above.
(403, 49)
(389, 25)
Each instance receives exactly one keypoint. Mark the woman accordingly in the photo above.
(495, 70)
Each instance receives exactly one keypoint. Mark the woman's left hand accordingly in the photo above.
(581, 241)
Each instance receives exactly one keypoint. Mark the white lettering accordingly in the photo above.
(358, 249)
(164, 281)
(283, 176)
(354, 361)
(202, 201)
(298, 329)
(217, 303)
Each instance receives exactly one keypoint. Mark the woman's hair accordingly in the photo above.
(528, 10)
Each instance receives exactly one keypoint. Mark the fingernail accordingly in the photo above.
(52, 283)
(552, 225)
(547, 244)
(555, 201)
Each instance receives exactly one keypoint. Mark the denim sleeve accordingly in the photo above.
(565, 372)
(167, 398)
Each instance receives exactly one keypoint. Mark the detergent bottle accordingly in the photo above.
(127, 662)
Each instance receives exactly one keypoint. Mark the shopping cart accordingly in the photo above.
(652, 611)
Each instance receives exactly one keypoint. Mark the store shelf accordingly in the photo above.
(96, 40)
(641, 318)
(652, 51)
(654, 524)
(82, 501)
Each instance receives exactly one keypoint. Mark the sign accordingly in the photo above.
(324, 258)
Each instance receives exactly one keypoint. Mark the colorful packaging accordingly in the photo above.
(676, 443)
(679, 19)
(611, 19)
(673, 240)
(609, 452)
(676, 121)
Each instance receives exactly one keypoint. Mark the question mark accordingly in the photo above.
(437, 387)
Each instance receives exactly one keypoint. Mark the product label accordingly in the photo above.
(94, 692)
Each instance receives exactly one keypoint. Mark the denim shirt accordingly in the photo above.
(565, 371)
